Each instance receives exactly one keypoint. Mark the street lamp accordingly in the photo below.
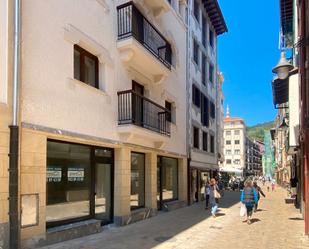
(284, 124)
(283, 67)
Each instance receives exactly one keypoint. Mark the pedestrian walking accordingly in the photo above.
(207, 191)
(249, 198)
(214, 196)
(259, 193)
(273, 183)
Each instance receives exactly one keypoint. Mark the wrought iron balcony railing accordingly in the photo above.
(134, 108)
(131, 23)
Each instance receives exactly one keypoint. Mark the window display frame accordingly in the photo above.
(93, 160)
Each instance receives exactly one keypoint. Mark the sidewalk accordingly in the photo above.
(276, 225)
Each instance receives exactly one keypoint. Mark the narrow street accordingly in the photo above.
(275, 225)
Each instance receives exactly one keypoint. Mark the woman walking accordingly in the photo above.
(214, 196)
(259, 193)
(249, 198)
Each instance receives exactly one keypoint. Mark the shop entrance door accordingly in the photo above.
(103, 182)
(103, 195)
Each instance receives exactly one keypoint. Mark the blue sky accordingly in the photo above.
(246, 55)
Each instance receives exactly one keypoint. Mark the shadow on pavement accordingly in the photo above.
(261, 210)
(254, 220)
(156, 230)
(296, 218)
(220, 214)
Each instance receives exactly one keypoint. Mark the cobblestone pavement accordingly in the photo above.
(276, 225)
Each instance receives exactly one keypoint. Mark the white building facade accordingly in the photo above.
(234, 145)
(103, 114)
(205, 24)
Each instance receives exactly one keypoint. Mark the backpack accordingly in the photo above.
(248, 195)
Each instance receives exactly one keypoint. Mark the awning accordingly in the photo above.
(203, 166)
(214, 12)
(231, 170)
(280, 91)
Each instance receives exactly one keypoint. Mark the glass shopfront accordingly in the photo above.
(79, 183)
(137, 180)
(204, 178)
(167, 180)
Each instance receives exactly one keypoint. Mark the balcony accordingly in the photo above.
(141, 45)
(158, 7)
(139, 116)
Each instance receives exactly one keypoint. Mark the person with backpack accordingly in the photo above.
(259, 193)
(249, 197)
(214, 196)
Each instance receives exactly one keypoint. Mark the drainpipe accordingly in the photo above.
(188, 106)
(14, 138)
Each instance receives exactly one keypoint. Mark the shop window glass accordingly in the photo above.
(169, 178)
(68, 179)
(137, 180)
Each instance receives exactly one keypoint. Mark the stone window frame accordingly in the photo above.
(77, 37)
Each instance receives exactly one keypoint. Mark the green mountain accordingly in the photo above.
(257, 131)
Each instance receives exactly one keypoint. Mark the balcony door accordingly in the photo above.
(137, 104)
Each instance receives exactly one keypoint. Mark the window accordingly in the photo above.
(236, 142)
(228, 161)
(167, 170)
(211, 73)
(204, 31)
(73, 172)
(195, 52)
(228, 133)
(196, 96)
(237, 152)
(67, 185)
(237, 161)
(168, 106)
(205, 141)
(137, 180)
(228, 142)
(196, 9)
(212, 144)
(211, 38)
(86, 67)
(212, 110)
(204, 70)
(237, 132)
(196, 143)
(205, 111)
(228, 152)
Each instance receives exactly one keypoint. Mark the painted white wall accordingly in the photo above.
(232, 126)
(294, 110)
(199, 157)
(50, 95)
(3, 51)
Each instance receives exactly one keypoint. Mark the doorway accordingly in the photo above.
(167, 180)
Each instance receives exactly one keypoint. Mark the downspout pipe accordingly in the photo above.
(188, 106)
(14, 242)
